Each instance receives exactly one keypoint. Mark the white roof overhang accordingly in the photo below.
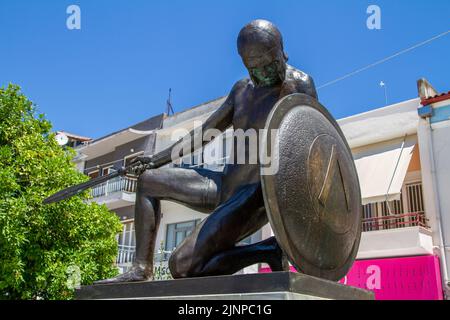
(108, 144)
(381, 124)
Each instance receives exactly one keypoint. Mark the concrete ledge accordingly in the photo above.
(411, 241)
(276, 285)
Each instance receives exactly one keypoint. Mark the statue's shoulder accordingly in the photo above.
(241, 84)
(294, 74)
(299, 81)
(237, 89)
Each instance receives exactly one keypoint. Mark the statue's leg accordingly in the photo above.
(211, 249)
(239, 257)
(196, 188)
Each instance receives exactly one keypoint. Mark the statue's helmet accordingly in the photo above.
(260, 46)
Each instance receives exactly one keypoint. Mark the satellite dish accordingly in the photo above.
(61, 139)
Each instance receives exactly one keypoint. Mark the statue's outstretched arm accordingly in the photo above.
(221, 119)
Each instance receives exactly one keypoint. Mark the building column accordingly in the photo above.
(436, 167)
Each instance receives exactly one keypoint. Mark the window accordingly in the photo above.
(415, 197)
(415, 203)
(381, 215)
(127, 243)
(93, 174)
(409, 211)
(107, 170)
(369, 217)
(389, 209)
(127, 237)
(177, 232)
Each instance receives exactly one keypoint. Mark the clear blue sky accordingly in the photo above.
(118, 68)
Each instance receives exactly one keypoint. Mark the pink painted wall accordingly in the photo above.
(408, 278)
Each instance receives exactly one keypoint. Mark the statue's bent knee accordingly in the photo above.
(183, 265)
(176, 267)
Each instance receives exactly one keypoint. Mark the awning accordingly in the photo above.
(382, 171)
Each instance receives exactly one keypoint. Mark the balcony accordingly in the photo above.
(115, 193)
(114, 185)
(395, 235)
(125, 255)
(396, 221)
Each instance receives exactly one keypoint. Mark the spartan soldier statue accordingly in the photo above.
(233, 198)
(312, 198)
(312, 202)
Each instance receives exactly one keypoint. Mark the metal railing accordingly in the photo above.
(126, 184)
(125, 255)
(396, 221)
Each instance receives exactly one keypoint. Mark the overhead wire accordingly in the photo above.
(390, 57)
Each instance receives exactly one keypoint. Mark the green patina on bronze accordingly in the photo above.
(267, 75)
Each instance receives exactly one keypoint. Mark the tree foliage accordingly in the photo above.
(45, 248)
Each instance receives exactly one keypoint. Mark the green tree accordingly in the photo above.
(45, 249)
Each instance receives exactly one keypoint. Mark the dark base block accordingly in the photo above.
(263, 286)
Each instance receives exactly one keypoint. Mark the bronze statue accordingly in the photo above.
(234, 197)
(239, 198)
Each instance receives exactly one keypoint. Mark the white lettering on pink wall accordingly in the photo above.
(374, 280)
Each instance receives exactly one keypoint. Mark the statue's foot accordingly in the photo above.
(277, 259)
(137, 273)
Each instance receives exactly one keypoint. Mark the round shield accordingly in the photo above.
(311, 188)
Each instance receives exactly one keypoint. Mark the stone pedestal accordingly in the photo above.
(259, 286)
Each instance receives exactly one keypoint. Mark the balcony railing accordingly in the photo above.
(126, 184)
(125, 255)
(415, 219)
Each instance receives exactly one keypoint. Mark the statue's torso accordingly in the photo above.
(252, 106)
